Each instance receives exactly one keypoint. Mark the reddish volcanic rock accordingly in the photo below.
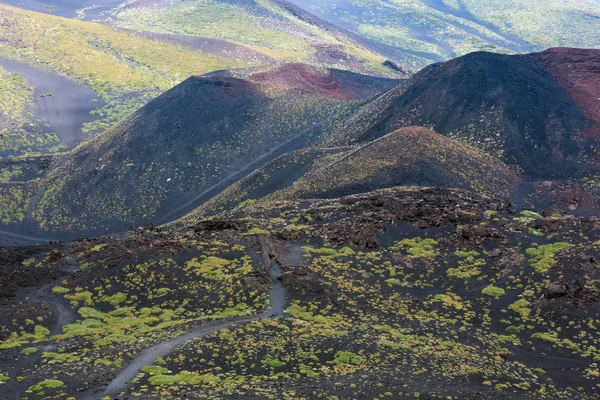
(297, 76)
(333, 84)
(578, 72)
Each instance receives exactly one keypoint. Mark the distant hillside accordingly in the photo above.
(274, 28)
(192, 142)
(56, 71)
(538, 111)
(437, 30)
(65, 69)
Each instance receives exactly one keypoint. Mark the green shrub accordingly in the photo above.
(417, 247)
(59, 290)
(155, 370)
(46, 384)
(547, 337)
(493, 291)
(535, 232)
(347, 357)
(161, 380)
(29, 350)
(85, 297)
(115, 299)
(543, 256)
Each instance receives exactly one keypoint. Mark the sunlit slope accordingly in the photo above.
(437, 30)
(271, 27)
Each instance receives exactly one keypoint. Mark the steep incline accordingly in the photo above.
(578, 72)
(530, 110)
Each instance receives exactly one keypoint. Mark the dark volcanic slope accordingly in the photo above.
(531, 110)
(412, 156)
(272, 177)
(189, 144)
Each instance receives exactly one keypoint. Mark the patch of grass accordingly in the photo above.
(83, 267)
(99, 247)
(513, 329)
(522, 307)
(535, 232)
(46, 384)
(83, 297)
(547, 337)
(59, 290)
(493, 291)
(15, 200)
(450, 300)
(347, 357)
(543, 257)
(155, 370)
(161, 380)
(417, 247)
(115, 299)
(40, 334)
(257, 232)
(29, 350)
(468, 265)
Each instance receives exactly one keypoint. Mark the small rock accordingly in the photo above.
(557, 289)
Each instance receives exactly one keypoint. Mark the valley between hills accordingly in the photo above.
(263, 199)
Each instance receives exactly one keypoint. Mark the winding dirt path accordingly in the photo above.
(64, 314)
(122, 382)
(27, 238)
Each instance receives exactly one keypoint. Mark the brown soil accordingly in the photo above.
(333, 84)
(578, 72)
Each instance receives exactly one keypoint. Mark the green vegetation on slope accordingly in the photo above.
(393, 161)
(262, 25)
(19, 131)
(144, 174)
(388, 318)
(126, 70)
(107, 59)
(441, 29)
(543, 23)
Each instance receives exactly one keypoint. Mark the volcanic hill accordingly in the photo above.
(538, 112)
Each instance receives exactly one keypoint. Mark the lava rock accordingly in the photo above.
(557, 289)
